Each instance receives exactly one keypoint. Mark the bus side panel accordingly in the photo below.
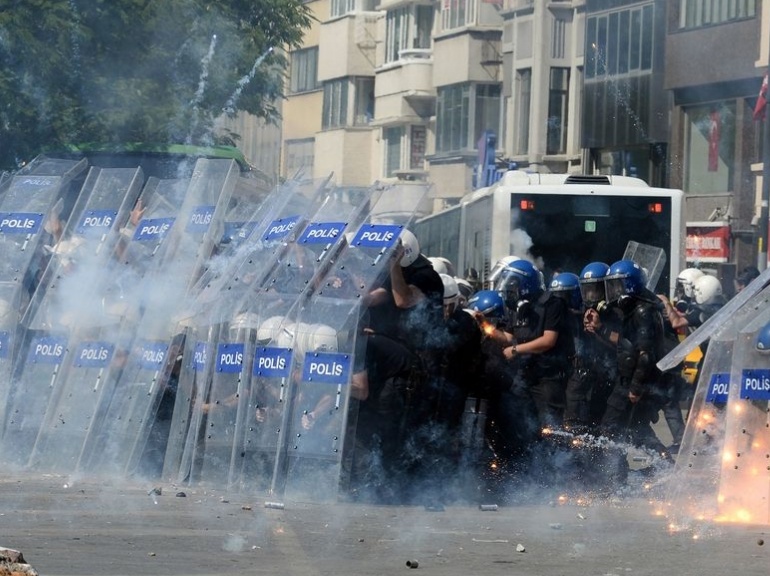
(439, 235)
(477, 236)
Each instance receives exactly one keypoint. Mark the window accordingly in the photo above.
(619, 43)
(304, 70)
(418, 137)
(558, 38)
(364, 112)
(524, 98)
(338, 100)
(697, 13)
(558, 98)
(335, 106)
(463, 112)
(457, 13)
(342, 7)
(407, 28)
(710, 148)
(399, 139)
(393, 137)
(299, 157)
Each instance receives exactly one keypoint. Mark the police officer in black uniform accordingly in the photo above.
(595, 368)
(538, 346)
(638, 394)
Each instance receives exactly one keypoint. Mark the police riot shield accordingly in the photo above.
(651, 258)
(693, 488)
(713, 324)
(319, 415)
(744, 483)
(31, 210)
(128, 407)
(298, 266)
(70, 298)
(194, 374)
(70, 293)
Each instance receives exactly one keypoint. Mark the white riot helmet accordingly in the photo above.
(448, 265)
(293, 335)
(686, 281)
(439, 265)
(451, 291)
(411, 247)
(245, 321)
(465, 288)
(321, 338)
(707, 290)
(268, 330)
(499, 266)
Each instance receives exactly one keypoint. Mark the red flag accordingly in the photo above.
(714, 136)
(759, 109)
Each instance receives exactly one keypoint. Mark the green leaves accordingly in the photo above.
(108, 71)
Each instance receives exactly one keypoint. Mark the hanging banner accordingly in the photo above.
(708, 242)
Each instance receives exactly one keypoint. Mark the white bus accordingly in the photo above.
(560, 222)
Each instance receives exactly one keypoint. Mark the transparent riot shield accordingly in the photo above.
(692, 491)
(70, 298)
(651, 258)
(35, 389)
(70, 293)
(191, 385)
(213, 455)
(744, 484)
(127, 410)
(713, 324)
(30, 206)
(320, 416)
(298, 267)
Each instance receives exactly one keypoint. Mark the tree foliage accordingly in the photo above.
(112, 71)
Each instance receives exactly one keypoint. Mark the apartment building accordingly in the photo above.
(543, 57)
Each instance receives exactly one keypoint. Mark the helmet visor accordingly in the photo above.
(592, 292)
(509, 283)
(614, 288)
(494, 274)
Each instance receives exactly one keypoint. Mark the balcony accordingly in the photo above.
(404, 87)
(348, 46)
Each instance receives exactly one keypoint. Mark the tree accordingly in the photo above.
(112, 71)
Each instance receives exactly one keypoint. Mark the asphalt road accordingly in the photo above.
(67, 528)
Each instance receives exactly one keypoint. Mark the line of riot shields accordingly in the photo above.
(186, 328)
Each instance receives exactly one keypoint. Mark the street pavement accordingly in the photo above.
(69, 527)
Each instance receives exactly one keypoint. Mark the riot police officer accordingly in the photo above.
(637, 396)
(594, 372)
(538, 346)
